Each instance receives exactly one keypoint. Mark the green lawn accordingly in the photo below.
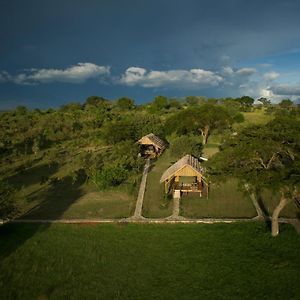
(154, 203)
(220, 261)
(224, 200)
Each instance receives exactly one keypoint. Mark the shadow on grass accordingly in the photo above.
(54, 202)
(33, 175)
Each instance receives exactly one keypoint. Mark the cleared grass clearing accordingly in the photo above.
(257, 117)
(224, 201)
(155, 205)
(220, 261)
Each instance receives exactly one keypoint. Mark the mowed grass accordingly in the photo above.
(224, 201)
(155, 205)
(220, 261)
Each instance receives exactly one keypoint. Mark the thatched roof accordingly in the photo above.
(152, 139)
(187, 160)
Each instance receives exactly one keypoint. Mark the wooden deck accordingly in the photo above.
(185, 189)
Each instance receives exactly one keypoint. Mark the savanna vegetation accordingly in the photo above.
(82, 160)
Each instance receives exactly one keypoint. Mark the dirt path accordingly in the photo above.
(167, 220)
(140, 199)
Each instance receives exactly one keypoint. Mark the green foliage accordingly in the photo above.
(195, 100)
(8, 205)
(71, 107)
(199, 120)
(262, 156)
(21, 110)
(286, 104)
(159, 104)
(186, 145)
(109, 176)
(115, 132)
(95, 101)
(125, 103)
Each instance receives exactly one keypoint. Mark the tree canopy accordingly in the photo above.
(264, 157)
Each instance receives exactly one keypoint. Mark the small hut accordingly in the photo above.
(185, 176)
(151, 145)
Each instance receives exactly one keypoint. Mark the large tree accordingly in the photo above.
(200, 120)
(264, 157)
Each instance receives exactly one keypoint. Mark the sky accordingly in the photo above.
(54, 52)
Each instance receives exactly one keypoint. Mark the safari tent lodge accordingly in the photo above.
(184, 177)
(151, 145)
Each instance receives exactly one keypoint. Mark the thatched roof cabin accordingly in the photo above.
(185, 176)
(151, 145)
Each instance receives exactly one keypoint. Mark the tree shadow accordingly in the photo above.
(33, 175)
(55, 201)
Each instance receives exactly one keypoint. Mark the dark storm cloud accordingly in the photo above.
(158, 36)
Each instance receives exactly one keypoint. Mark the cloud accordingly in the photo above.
(4, 76)
(286, 89)
(193, 78)
(246, 71)
(270, 76)
(74, 74)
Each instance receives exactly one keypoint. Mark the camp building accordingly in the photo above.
(151, 145)
(185, 176)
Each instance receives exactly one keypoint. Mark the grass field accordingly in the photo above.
(220, 261)
(224, 200)
(65, 198)
(154, 203)
(257, 117)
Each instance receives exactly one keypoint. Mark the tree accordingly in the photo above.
(94, 101)
(21, 110)
(186, 145)
(266, 102)
(159, 103)
(8, 206)
(286, 104)
(264, 157)
(201, 120)
(125, 103)
(246, 102)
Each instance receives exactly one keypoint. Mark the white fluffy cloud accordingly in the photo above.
(135, 76)
(270, 76)
(74, 74)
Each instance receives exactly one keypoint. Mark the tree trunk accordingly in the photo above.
(205, 133)
(275, 224)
